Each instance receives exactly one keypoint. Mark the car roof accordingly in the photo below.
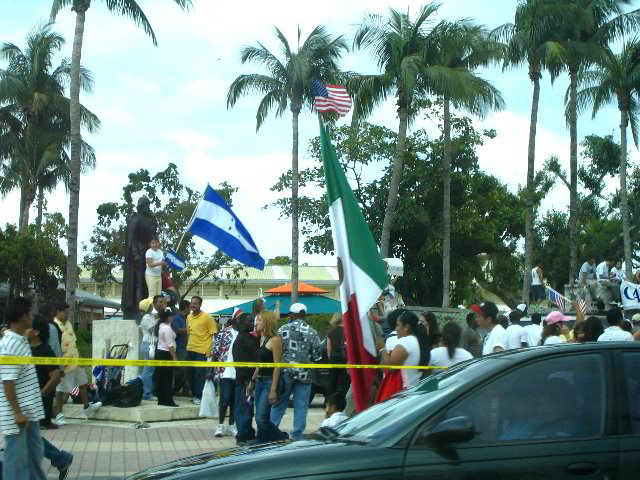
(531, 352)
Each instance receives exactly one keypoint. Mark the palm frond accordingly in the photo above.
(368, 91)
(263, 56)
(131, 10)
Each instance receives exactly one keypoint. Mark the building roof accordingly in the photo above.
(315, 304)
(276, 274)
(303, 289)
(84, 298)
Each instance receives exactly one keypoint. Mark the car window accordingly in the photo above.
(553, 398)
(632, 374)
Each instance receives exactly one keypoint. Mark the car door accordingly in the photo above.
(542, 420)
(630, 417)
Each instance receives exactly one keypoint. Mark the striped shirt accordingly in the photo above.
(26, 384)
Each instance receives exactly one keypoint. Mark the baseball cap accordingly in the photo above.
(555, 317)
(523, 308)
(236, 312)
(636, 318)
(488, 309)
(298, 308)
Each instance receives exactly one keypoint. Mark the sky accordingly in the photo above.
(168, 104)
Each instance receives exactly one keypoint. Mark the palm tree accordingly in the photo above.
(464, 47)
(616, 77)
(588, 26)
(288, 84)
(528, 43)
(126, 8)
(36, 115)
(407, 51)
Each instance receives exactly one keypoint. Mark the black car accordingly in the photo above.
(560, 412)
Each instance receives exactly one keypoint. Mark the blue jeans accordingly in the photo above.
(243, 415)
(301, 394)
(196, 375)
(58, 458)
(147, 373)
(267, 431)
(23, 454)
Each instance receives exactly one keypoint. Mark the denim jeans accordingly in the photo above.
(243, 415)
(301, 394)
(147, 373)
(196, 375)
(23, 454)
(267, 431)
(58, 458)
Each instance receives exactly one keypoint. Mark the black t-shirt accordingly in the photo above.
(336, 335)
(245, 349)
(43, 350)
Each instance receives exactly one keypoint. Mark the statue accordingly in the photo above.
(141, 227)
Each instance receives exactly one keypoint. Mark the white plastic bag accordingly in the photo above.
(208, 405)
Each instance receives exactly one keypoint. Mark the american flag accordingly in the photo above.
(555, 298)
(330, 98)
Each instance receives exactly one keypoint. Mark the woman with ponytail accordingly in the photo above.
(451, 353)
(411, 350)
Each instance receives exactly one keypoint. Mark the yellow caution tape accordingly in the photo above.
(119, 362)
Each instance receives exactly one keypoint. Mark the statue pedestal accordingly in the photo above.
(107, 333)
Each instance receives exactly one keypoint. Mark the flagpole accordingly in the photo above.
(188, 224)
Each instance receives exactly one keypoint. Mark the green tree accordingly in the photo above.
(587, 27)
(281, 260)
(405, 51)
(288, 84)
(616, 77)
(126, 8)
(32, 261)
(528, 44)
(466, 47)
(174, 204)
(37, 114)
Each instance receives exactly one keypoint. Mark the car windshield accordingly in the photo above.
(390, 417)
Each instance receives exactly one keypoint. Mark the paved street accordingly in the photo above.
(110, 450)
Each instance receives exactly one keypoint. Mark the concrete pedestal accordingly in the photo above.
(107, 333)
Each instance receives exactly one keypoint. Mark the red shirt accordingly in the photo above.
(166, 281)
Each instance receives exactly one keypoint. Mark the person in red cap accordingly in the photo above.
(553, 328)
(487, 319)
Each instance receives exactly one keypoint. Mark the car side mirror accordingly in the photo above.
(452, 430)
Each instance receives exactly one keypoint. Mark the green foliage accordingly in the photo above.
(486, 217)
(33, 262)
(320, 322)
(280, 260)
(173, 204)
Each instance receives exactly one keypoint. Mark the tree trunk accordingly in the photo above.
(528, 211)
(396, 174)
(573, 167)
(74, 187)
(446, 207)
(22, 201)
(40, 208)
(294, 208)
(26, 200)
(624, 202)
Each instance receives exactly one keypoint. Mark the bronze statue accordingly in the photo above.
(141, 228)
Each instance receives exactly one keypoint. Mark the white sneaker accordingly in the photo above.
(231, 430)
(60, 419)
(92, 408)
(220, 431)
(195, 401)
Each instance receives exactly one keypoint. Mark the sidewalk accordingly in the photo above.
(112, 450)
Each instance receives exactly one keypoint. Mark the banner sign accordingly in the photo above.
(630, 295)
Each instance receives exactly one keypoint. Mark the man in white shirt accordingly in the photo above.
(515, 332)
(533, 332)
(487, 319)
(605, 286)
(334, 414)
(615, 333)
(617, 272)
(587, 277)
(147, 324)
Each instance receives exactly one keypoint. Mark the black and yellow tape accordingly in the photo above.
(118, 362)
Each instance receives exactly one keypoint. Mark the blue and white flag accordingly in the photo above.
(217, 224)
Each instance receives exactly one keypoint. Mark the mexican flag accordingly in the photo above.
(362, 271)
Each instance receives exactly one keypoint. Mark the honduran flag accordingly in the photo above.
(362, 271)
(215, 222)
